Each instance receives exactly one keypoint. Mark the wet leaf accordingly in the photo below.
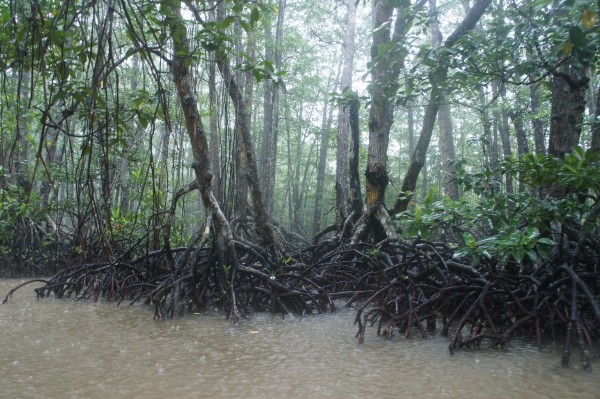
(588, 19)
(567, 47)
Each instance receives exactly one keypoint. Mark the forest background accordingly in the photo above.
(208, 140)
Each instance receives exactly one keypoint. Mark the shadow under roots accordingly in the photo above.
(396, 286)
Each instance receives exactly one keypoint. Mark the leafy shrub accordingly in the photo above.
(490, 224)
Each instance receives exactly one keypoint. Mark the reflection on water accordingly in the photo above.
(67, 349)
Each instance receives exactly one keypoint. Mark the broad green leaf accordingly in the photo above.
(225, 23)
(588, 19)
(567, 47)
(532, 233)
(469, 239)
(518, 254)
(532, 254)
(545, 241)
(254, 16)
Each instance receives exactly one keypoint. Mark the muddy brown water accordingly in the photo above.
(68, 349)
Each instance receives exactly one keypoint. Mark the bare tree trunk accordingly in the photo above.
(341, 171)
(446, 138)
(448, 154)
(266, 164)
(437, 77)
(123, 166)
(299, 206)
(387, 62)
(99, 126)
(536, 121)
(263, 228)
(214, 144)
(502, 129)
(410, 121)
(51, 143)
(595, 145)
(381, 112)
(268, 150)
(327, 119)
(290, 167)
(566, 116)
(20, 161)
(189, 104)
(522, 145)
(489, 157)
(356, 201)
(241, 197)
(568, 108)
(276, 100)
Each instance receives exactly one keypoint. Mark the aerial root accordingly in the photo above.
(397, 286)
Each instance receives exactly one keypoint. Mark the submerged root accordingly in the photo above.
(398, 286)
(179, 280)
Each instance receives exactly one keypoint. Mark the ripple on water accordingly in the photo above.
(62, 348)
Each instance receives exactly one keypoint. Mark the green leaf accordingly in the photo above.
(469, 239)
(577, 37)
(588, 19)
(130, 51)
(225, 23)
(532, 233)
(245, 26)
(144, 119)
(567, 47)
(254, 16)
(83, 57)
(532, 255)
(518, 254)
(57, 37)
(545, 241)
(86, 148)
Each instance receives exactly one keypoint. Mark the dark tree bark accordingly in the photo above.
(487, 139)
(241, 197)
(382, 90)
(568, 108)
(20, 161)
(410, 121)
(189, 104)
(356, 201)
(568, 86)
(566, 115)
(263, 229)
(50, 144)
(387, 59)
(595, 145)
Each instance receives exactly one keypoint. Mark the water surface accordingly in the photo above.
(68, 349)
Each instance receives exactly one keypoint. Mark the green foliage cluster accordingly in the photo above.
(488, 224)
(20, 221)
